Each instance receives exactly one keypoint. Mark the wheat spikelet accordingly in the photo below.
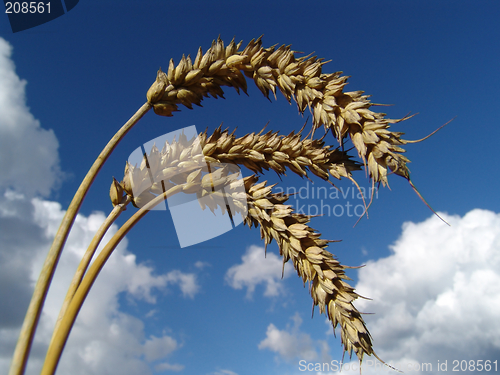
(346, 114)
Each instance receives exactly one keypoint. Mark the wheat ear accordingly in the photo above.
(314, 264)
(272, 151)
(347, 114)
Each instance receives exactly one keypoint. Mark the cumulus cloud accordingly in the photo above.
(186, 281)
(224, 372)
(159, 347)
(29, 159)
(258, 269)
(292, 344)
(437, 297)
(104, 340)
(201, 265)
(168, 367)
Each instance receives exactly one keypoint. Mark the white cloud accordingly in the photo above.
(28, 154)
(437, 297)
(104, 340)
(159, 347)
(292, 344)
(186, 281)
(199, 264)
(168, 367)
(258, 269)
(151, 313)
(224, 372)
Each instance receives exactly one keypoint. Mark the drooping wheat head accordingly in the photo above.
(346, 114)
(314, 264)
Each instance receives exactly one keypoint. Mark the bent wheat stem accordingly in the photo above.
(89, 253)
(61, 334)
(30, 323)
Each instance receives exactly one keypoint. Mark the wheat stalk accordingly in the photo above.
(61, 333)
(180, 167)
(296, 241)
(23, 346)
(119, 206)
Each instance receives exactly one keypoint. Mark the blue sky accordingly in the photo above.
(220, 307)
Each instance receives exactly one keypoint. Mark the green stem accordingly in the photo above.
(30, 323)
